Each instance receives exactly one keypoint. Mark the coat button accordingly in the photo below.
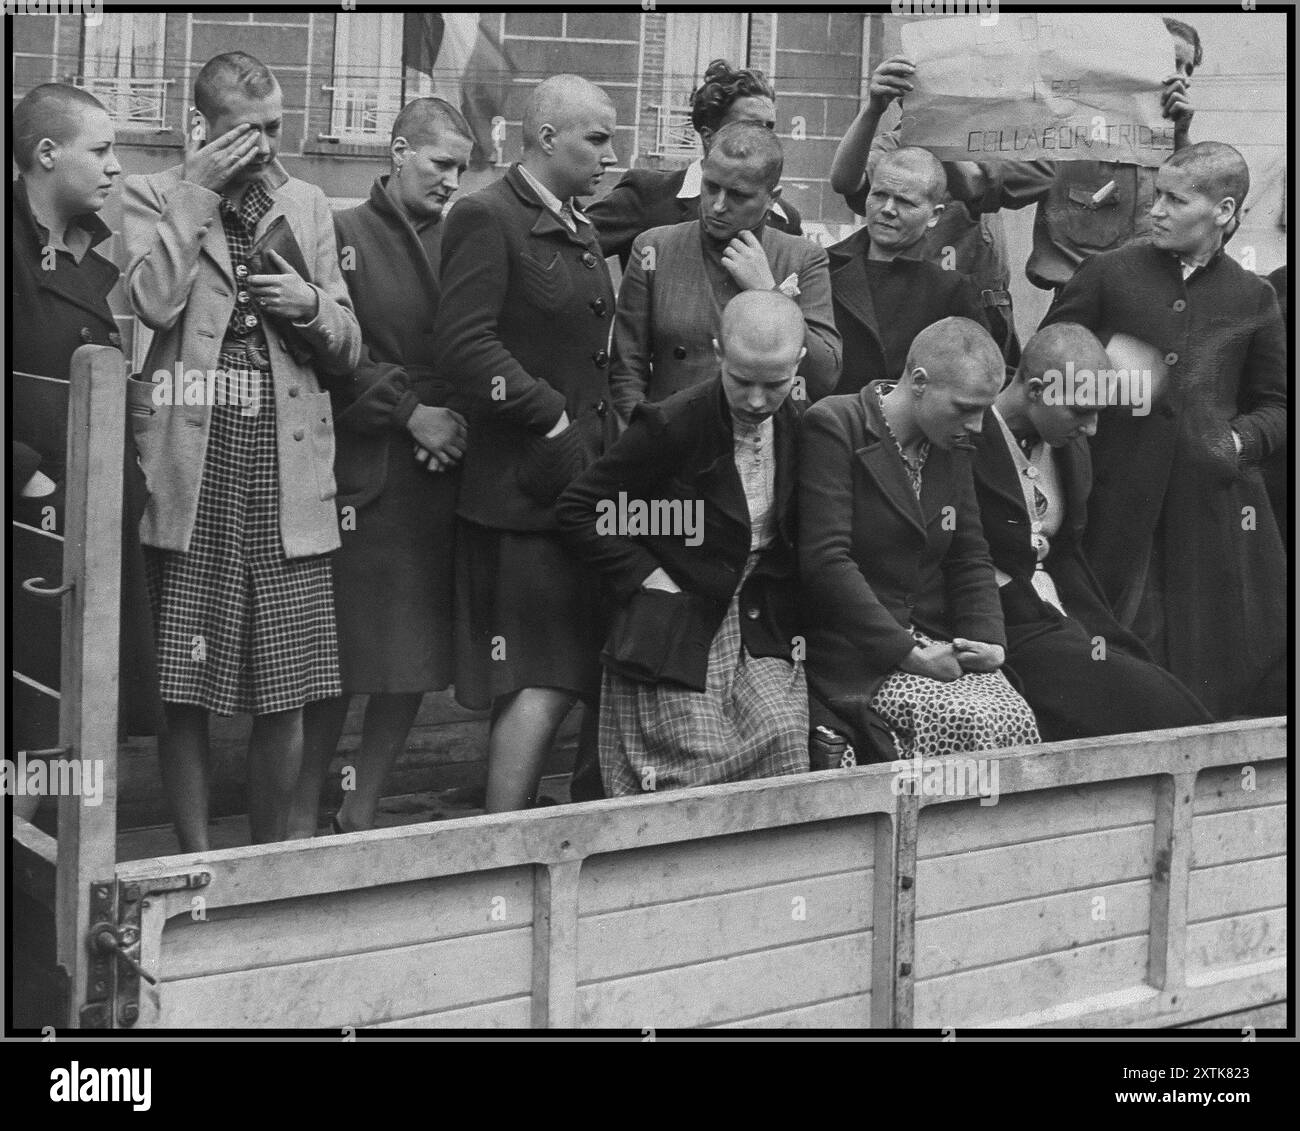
(598, 308)
(250, 320)
(679, 352)
(588, 260)
(293, 390)
(298, 433)
(1171, 358)
(601, 408)
(242, 297)
(752, 613)
(601, 358)
(1180, 304)
(241, 271)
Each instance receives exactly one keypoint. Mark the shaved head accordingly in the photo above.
(954, 347)
(763, 322)
(920, 161)
(1053, 346)
(1217, 170)
(754, 144)
(561, 102)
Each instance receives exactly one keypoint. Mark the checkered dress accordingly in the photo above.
(751, 721)
(240, 627)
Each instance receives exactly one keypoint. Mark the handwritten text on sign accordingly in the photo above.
(1046, 86)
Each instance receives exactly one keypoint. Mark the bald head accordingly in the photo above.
(1216, 170)
(1055, 346)
(921, 163)
(762, 322)
(956, 348)
(561, 102)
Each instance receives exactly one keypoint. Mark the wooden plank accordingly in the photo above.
(555, 945)
(884, 937)
(354, 990)
(1238, 940)
(1172, 846)
(1232, 889)
(713, 993)
(1225, 787)
(1008, 932)
(92, 613)
(992, 993)
(513, 1013)
(1021, 817)
(619, 943)
(851, 1012)
(902, 981)
(1044, 867)
(720, 864)
(258, 873)
(1239, 834)
(355, 922)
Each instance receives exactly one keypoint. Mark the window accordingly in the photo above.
(367, 90)
(692, 40)
(122, 66)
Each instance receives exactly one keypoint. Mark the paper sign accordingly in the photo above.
(1040, 86)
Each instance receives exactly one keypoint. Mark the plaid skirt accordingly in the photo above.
(240, 627)
(930, 718)
(751, 721)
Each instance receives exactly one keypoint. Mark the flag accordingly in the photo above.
(466, 66)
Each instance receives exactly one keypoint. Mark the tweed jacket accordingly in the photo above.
(684, 449)
(670, 309)
(933, 294)
(181, 285)
(523, 335)
(649, 198)
(874, 559)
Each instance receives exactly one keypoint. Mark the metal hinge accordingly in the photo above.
(113, 980)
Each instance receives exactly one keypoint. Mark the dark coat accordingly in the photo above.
(647, 198)
(873, 352)
(1174, 549)
(682, 448)
(394, 287)
(1006, 525)
(53, 314)
(523, 333)
(393, 572)
(874, 558)
(1277, 475)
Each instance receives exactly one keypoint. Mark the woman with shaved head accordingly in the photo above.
(905, 632)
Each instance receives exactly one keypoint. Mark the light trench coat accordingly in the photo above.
(181, 285)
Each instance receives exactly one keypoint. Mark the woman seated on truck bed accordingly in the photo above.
(905, 633)
(701, 684)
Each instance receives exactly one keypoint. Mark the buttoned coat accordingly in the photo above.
(648, 198)
(180, 283)
(934, 293)
(874, 559)
(670, 305)
(523, 334)
(683, 450)
(1170, 519)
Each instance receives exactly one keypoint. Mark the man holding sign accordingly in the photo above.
(1010, 148)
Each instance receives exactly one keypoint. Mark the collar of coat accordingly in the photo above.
(39, 234)
(940, 486)
(995, 468)
(547, 222)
